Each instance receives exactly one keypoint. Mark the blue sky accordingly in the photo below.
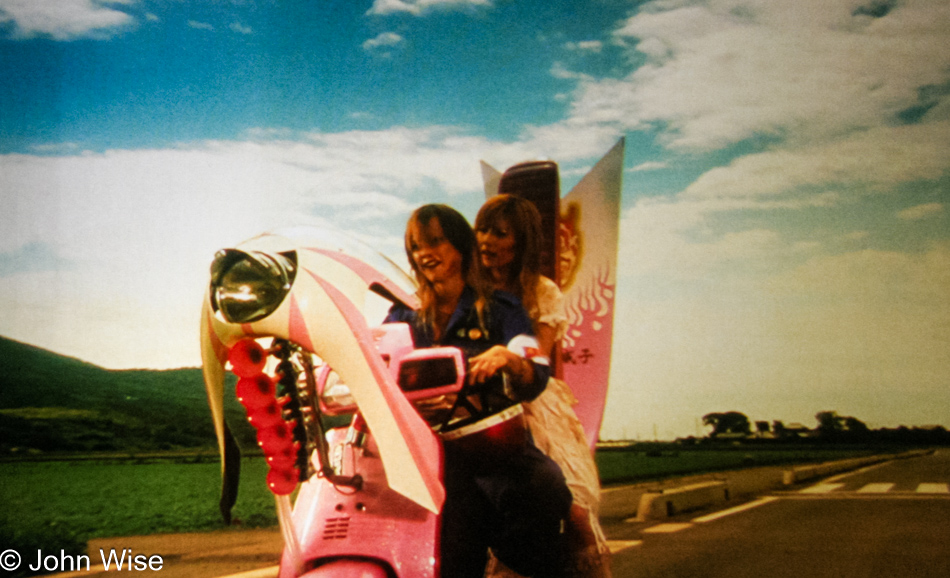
(180, 71)
(784, 232)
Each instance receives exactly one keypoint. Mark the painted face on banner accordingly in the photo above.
(569, 247)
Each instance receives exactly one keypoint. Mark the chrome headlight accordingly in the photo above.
(249, 286)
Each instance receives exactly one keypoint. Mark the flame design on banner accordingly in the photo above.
(587, 312)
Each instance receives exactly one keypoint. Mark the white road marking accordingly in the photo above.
(856, 472)
(876, 488)
(667, 528)
(933, 489)
(735, 510)
(618, 545)
(821, 489)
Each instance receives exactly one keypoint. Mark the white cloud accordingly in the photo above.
(875, 277)
(920, 212)
(669, 241)
(240, 28)
(567, 142)
(723, 71)
(421, 7)
(117, 244)
(649, 166)
(559, 70)
(585, 46)
(871, 159)
(200, 25)
(383, 40)
(64, 19)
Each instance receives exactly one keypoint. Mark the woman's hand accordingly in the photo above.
(499, 358)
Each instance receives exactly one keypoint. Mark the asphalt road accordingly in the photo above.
(887, 520)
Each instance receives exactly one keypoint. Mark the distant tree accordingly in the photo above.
(731, 422)
(840, 427)
(778, 427)
(829, 423)
(854, 425)
(762, 427)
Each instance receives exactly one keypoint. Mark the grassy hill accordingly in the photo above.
(53, 403)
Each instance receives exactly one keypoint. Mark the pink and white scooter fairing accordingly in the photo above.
(288, 313)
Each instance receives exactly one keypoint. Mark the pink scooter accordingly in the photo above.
(369, 493)
(346, 520)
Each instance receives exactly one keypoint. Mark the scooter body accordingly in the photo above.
(286, 312)
(367, 529)
(367, 532)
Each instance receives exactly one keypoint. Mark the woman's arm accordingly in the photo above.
(520, 357)
(499, 358)
(550, 319)
(546, 335)
(528, 379)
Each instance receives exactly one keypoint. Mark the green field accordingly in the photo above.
(63, 504)
(643, 462)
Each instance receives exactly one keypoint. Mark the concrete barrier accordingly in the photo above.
(672, 501)
(657, 500)
(805, 473)
(810, 472)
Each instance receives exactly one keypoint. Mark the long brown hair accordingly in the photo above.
(525, 222)
(460, 235)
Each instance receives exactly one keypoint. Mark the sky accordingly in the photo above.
(785, 237)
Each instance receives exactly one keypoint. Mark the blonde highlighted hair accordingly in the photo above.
(460, 235)
(524, 220)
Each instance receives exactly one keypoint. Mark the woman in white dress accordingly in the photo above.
(508, 232)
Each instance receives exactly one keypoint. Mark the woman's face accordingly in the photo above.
(496, 245)
(432, 253)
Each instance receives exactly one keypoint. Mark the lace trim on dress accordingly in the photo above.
(550, 307)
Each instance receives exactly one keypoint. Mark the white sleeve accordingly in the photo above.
(527, 346)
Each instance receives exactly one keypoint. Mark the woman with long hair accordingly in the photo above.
(508, 233)
(502, 493)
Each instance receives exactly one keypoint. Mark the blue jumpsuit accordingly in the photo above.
(515, 501)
